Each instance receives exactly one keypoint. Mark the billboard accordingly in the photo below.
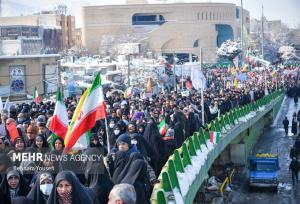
(129, 48)
(17, 79)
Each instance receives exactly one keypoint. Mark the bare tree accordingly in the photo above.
(229, 50)
(109, 43)
(287, 53)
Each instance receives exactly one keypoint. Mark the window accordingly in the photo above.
(202, 16)
(225, 32)
(147, 19)
(237, 13)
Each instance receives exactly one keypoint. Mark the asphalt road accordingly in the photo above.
(273, 140)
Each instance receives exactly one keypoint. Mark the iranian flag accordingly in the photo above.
(36, 96)
(162, 127)
(214, 137)
(59, 122)
(90, 108)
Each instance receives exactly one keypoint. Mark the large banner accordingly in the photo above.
(17, 79)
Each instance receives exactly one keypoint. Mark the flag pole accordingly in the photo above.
(202, 94)
(107, 136)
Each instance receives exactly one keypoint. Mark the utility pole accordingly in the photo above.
(174, 69)
(262, 32)
(202, 94)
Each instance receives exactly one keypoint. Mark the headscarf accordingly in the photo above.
(35, 193)
(23, 188)
(78, 194)
(120, 162)
(97, 177)
(136, 176)
(133, 157)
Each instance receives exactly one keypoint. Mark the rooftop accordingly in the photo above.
(28, 56)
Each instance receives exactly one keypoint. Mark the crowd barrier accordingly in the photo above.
(186, 169)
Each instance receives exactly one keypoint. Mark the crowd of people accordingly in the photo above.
(131, 149)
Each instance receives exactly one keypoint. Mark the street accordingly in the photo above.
(272, 140)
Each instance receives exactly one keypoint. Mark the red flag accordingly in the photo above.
(13, 131)
(188, 84)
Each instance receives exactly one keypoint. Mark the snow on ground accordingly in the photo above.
(285, 186)
(178, 197)
(183, 182)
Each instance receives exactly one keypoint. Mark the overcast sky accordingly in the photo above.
(286, 10)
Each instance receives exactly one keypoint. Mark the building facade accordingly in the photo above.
(78, 38)
(22, 74)
(50, 25)
(180, 28)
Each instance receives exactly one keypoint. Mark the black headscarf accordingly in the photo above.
(6, 163)
(44, 146)
(133, 157)
(79, 194)
(97, 177)
(23, 188)
(178, 129)
(143, 146)
(136, 175)
(153, 137)
(120, 162)
(36, 194)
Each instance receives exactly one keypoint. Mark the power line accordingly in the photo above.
(52, 74)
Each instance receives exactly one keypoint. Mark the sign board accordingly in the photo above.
(50, 78)
(17, 79)
(129, 48)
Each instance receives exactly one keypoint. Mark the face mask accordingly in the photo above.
(46, 188)
(111, 125)
(116, 132)
(134, 141)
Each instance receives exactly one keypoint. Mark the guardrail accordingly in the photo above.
(186, 169)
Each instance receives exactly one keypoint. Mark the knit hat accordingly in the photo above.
(124, 138)
(13, 173)
(41, 120)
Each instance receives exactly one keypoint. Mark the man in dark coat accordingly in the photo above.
(294, 167)
(286, 125)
